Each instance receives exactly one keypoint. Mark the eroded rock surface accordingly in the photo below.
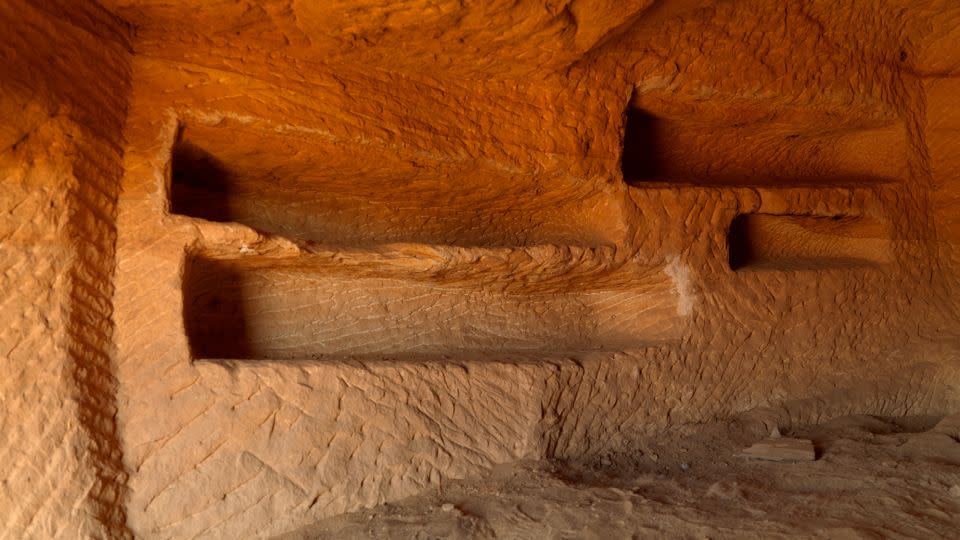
(781, 449)
(271, 262)
(875, 478)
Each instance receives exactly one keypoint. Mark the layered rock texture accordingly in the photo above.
(266, 263)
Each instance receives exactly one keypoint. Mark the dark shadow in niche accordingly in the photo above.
(740, 243)
(200, 185)
(214, 314)
(807, 242)
(641, 160)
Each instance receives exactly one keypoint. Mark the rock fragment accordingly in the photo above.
(782, 449)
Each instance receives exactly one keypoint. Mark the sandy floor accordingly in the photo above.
(873, 478)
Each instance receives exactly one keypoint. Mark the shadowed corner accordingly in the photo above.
(740, 243)
(641, 160)
(214, 312)
(200, 184)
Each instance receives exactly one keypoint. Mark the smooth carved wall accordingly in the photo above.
(360, 251)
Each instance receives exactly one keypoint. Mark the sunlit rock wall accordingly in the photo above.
(65, 81)
(366, 247)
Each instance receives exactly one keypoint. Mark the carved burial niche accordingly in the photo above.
(308, 187)
(385, 260)
(316, 306)
(685, 145)
(785, 242)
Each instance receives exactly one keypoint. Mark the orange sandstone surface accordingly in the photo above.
(527, 268)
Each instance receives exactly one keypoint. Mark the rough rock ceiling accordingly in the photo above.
(518, 38)
(499, 38)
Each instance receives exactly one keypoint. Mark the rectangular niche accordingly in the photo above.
(309, 307)
(789, 242)
(702, 150)
(308, 187)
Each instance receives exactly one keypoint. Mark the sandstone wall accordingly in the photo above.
(363, 248)
(324, 217)
(66, 74)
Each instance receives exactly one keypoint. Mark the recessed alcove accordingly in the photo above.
(364, 304)
(200, 185)
(694, 149)
(642, 148)
(307, 186)
(790, 242)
